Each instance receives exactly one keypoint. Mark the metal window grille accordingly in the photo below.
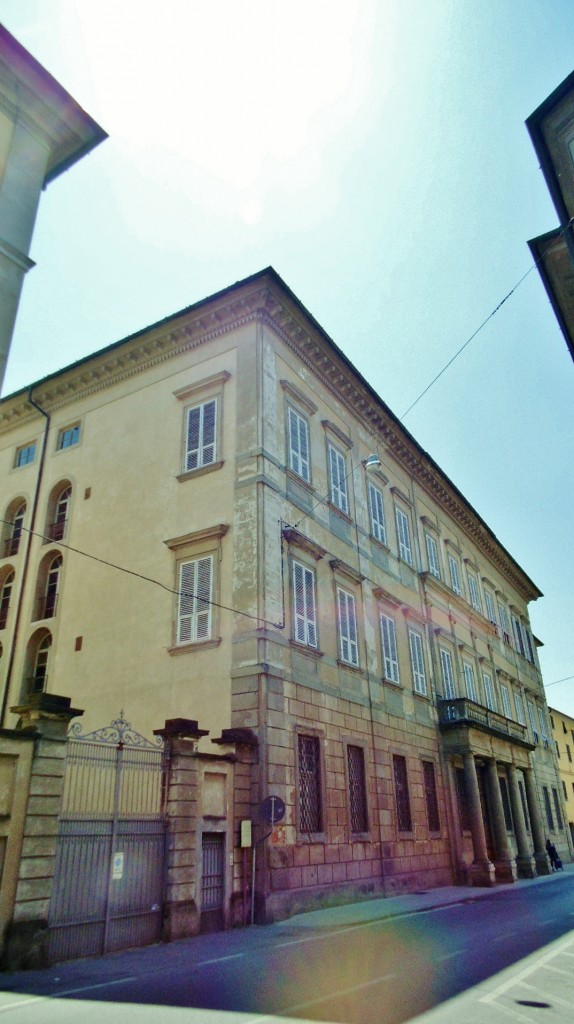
(310, 811)
(404, 819)
(548, 808)
(557, 808)
(357, 789)
(463, 808)
(431, 796)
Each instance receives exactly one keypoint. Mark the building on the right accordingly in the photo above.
(563, 736)
(551, 129)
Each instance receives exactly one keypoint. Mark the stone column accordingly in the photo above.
(481, 870)
(540, 856)
(181, 907)
(46, 716)
(524, 861)
(505, 865)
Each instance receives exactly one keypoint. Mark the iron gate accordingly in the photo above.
(212, 881)
(108, 886)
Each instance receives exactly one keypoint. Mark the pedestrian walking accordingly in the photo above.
(555, 862)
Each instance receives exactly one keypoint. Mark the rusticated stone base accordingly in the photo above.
(181, 920)
(26, 946)
(505, 870)
(526, 867)
(542, 865)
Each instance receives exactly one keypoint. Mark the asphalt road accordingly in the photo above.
(383, 972)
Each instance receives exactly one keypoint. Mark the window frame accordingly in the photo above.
(431, 796)
(69, 436)
(316, 740)
(357, 791)
(432, 555)
(377, 513)
(474, 590)
(489, 692)
(296, 419)
(470, 681)
(388, 660)
(198, 613)
(404, 536)
(403, 808)
(455, 575)
(417, 655)
(310, 635)
(445, 658)
(338, 489)
(347, 624)
(194, 547)
(7, 581)
(20, 462)
(196, 396)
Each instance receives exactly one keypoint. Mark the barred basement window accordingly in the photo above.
(310, 810)
(463, 809)
(431, 796)
(357, 789)
(404, 820)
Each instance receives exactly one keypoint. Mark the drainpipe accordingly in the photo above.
(26, 557)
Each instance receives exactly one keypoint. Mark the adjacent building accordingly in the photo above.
(551, 129)
(563, 736)
(218, 521)
(43, 132)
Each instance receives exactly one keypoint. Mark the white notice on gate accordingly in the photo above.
(118, 866)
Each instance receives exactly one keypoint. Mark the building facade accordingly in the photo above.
(43, 131)
(218, 520)
(563, 736)
(551, 129)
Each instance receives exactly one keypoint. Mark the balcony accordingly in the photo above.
(458, 712)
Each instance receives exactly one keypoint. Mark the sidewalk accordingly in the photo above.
(408, 903)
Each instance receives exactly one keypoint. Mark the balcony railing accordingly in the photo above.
(463, 711)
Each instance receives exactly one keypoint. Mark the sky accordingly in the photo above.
(375, 154)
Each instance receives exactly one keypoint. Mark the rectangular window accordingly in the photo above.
(200, 435)
(432, 554)
(378, 527)
(310, 811)
(568, 752)
(505, 804)
(519, 705)
(469, 681)
(504, 623)
(489, 693)
(564, 790)
(305, 607)
(490, 610)
(506, 709)
(532, 719)
(357, 789)
(348, 646)
(528, 645)
(474, 592)
(463, 809)
(524, 804)
(389, 645)
(557, 808)
(431, 796)
(404, 820)
(518, 639)
(548, 808)
(69, 436)
(403, 536)
(194, 613)
(447, 674)
(543, 725)
(338, 479)
(298, 430)
(25, 455)
(454, 575)
(417, 662)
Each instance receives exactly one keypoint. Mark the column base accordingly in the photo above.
(542, 865)
(482, 873)
(181, 920)
(505, 870)
(526, 867)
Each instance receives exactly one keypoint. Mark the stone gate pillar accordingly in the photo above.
(46, 716)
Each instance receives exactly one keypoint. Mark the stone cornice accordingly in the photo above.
(266, 300)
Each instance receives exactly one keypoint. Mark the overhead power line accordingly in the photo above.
(485, 321)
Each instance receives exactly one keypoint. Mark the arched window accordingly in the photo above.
(37, 661)
(5, 594)
(13, 534)
(59, 511)
(52, 588)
